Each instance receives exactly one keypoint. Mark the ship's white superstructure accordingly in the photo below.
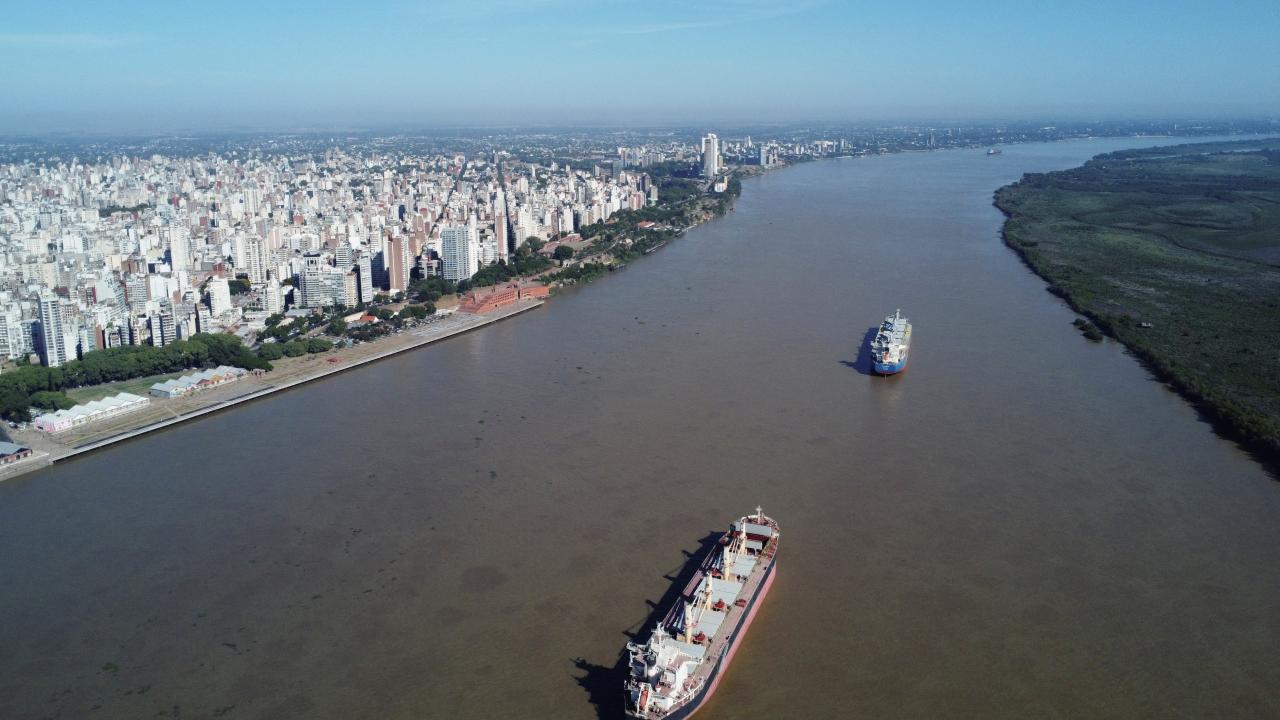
(890, 348)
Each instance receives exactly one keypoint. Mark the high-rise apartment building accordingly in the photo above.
(272, 298)
(11, 345)
(500, 237)
(364, 266)
(219, 296)
(52, 343)
(312, 281)
(344, 256)
(398, 265)
(459, 252)
(179, 248)
(255, 252)
(710, 155)
(163, 330)
(351, 288)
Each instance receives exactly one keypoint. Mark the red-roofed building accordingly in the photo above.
(489, 299)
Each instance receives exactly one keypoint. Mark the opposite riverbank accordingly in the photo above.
(1173, 252)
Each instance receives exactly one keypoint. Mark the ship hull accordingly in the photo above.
(889, 368)
(709, 689)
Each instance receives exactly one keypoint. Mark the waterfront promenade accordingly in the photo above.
(288, 373)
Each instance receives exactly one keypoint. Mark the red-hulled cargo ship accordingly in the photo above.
(677, 670)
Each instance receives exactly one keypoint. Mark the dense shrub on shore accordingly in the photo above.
(1171, 252)
(29, 385)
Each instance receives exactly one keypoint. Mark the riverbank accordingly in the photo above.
(162, 413)
(1173, 253)
(684, 204)
(291, 372)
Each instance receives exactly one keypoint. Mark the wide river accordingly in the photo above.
(1023, 524)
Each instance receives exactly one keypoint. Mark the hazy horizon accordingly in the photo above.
(146, 67)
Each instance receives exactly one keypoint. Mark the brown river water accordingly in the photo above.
(1023, 524)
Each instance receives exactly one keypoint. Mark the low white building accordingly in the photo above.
(91, 411)
(195, 382)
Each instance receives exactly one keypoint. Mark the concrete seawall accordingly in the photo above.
(248, 397)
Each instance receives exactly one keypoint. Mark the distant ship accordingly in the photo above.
(891, 344)
(677, 671)
(993, 151)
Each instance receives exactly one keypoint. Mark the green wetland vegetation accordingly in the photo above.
(1174, 252)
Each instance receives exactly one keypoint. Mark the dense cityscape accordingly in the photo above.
(290, 243)
(119, 249)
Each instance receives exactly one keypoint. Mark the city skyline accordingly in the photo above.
(145, 67)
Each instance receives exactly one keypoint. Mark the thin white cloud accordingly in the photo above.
(59, 41)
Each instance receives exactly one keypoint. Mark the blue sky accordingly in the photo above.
(144, 66)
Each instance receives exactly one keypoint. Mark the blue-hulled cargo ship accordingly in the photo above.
(892, 344)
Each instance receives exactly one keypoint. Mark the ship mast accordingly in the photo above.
(706, 595)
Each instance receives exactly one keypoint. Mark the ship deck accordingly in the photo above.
(721, 628)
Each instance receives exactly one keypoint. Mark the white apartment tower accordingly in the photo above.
(459, 251)
(53, 345)
(272, 298)
(161, 324)
(255, 251)
(710, 155)
(10, 335)
(219, 296)
(179, 248)
(312, 280)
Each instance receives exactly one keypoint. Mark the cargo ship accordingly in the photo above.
(890, 347)
(678, 669)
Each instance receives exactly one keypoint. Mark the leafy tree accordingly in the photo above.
(271, 351)
(563, 252)
(48, 400)
(528, 261)
(318, 345)
(280, 333)
(15, 404)
(337, 326)
(431, 288)
(295, 348)
(493, 274)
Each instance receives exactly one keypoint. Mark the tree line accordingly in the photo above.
(35, 385)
